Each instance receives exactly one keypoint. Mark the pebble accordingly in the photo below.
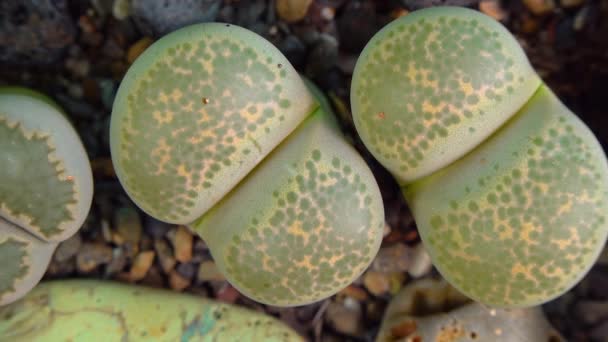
(248, 14)
(295, 51)
(540, 7)
(138, 48)
(34, 32)
(155, 228)
(154, 278)
(420, 262)
(493, 8)
(68, 248)
(417, 4)
(61, 269)
(165, 255)
(118, 263)
(345, 317)
(78, 67)
(323, 56)
(182, 244)
(187, 270)
(292, 10)
(208, 271)
(142, 263)
(92, 255)
(227, 294)
(177, 281)
(157, 18)
(103, 167)
(600, 332)
(394, 258)
(355, 292)
(107, 88)
(357, 25)
(377, 283)
(128, 229)
(591, 312)
(121, 9)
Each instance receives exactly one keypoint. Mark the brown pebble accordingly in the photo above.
(493, 9)
(141, 265)
(403, 329)
(377, 283)
(345, 318)
(182, 244)
(227, 294)
(177, 281)
(165, 255)
(92, 255)
(138, 48)
(292, 10)
(154, 278)
(207, 271)
(355, 292)
(103, 167)
(540, 7)
(393, 258)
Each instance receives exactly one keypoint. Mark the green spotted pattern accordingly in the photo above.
(206, 102)
(431, 85)
(319, 233)
(30, 175)
(15, 251)
(521, 219)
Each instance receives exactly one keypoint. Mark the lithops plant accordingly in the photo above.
(432, 310)
(507, 186)
(93, 310)
(46, 187)
(213, 128)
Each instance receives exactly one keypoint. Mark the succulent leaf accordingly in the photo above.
(522, 218)
(432, 85)
(24, 261)
(45, 182)
(196, 112)
(430, 310)
(46, 187)
(304, 224)
(86, 310)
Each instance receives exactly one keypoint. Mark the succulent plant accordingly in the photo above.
(509, 189)
(92, 310)
(214, 129)
(46, 187)
(432, 310)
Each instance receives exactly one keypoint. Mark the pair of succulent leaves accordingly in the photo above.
(213, 128)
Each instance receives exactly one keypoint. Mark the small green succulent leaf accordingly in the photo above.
(45, 178)
(303, 225)
(522, 218)
(432, 85)
(196, 112)
(24, 261)
(88, 310)
(431, 310)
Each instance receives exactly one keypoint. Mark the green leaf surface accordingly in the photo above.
(521, 219)
(196, 112)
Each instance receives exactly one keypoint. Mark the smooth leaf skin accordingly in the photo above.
(46, 185)
(522, 218)
(24, 261)
(432, 85)
(196, 112)
(437, 312)
(304, 224)
(92, 310)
